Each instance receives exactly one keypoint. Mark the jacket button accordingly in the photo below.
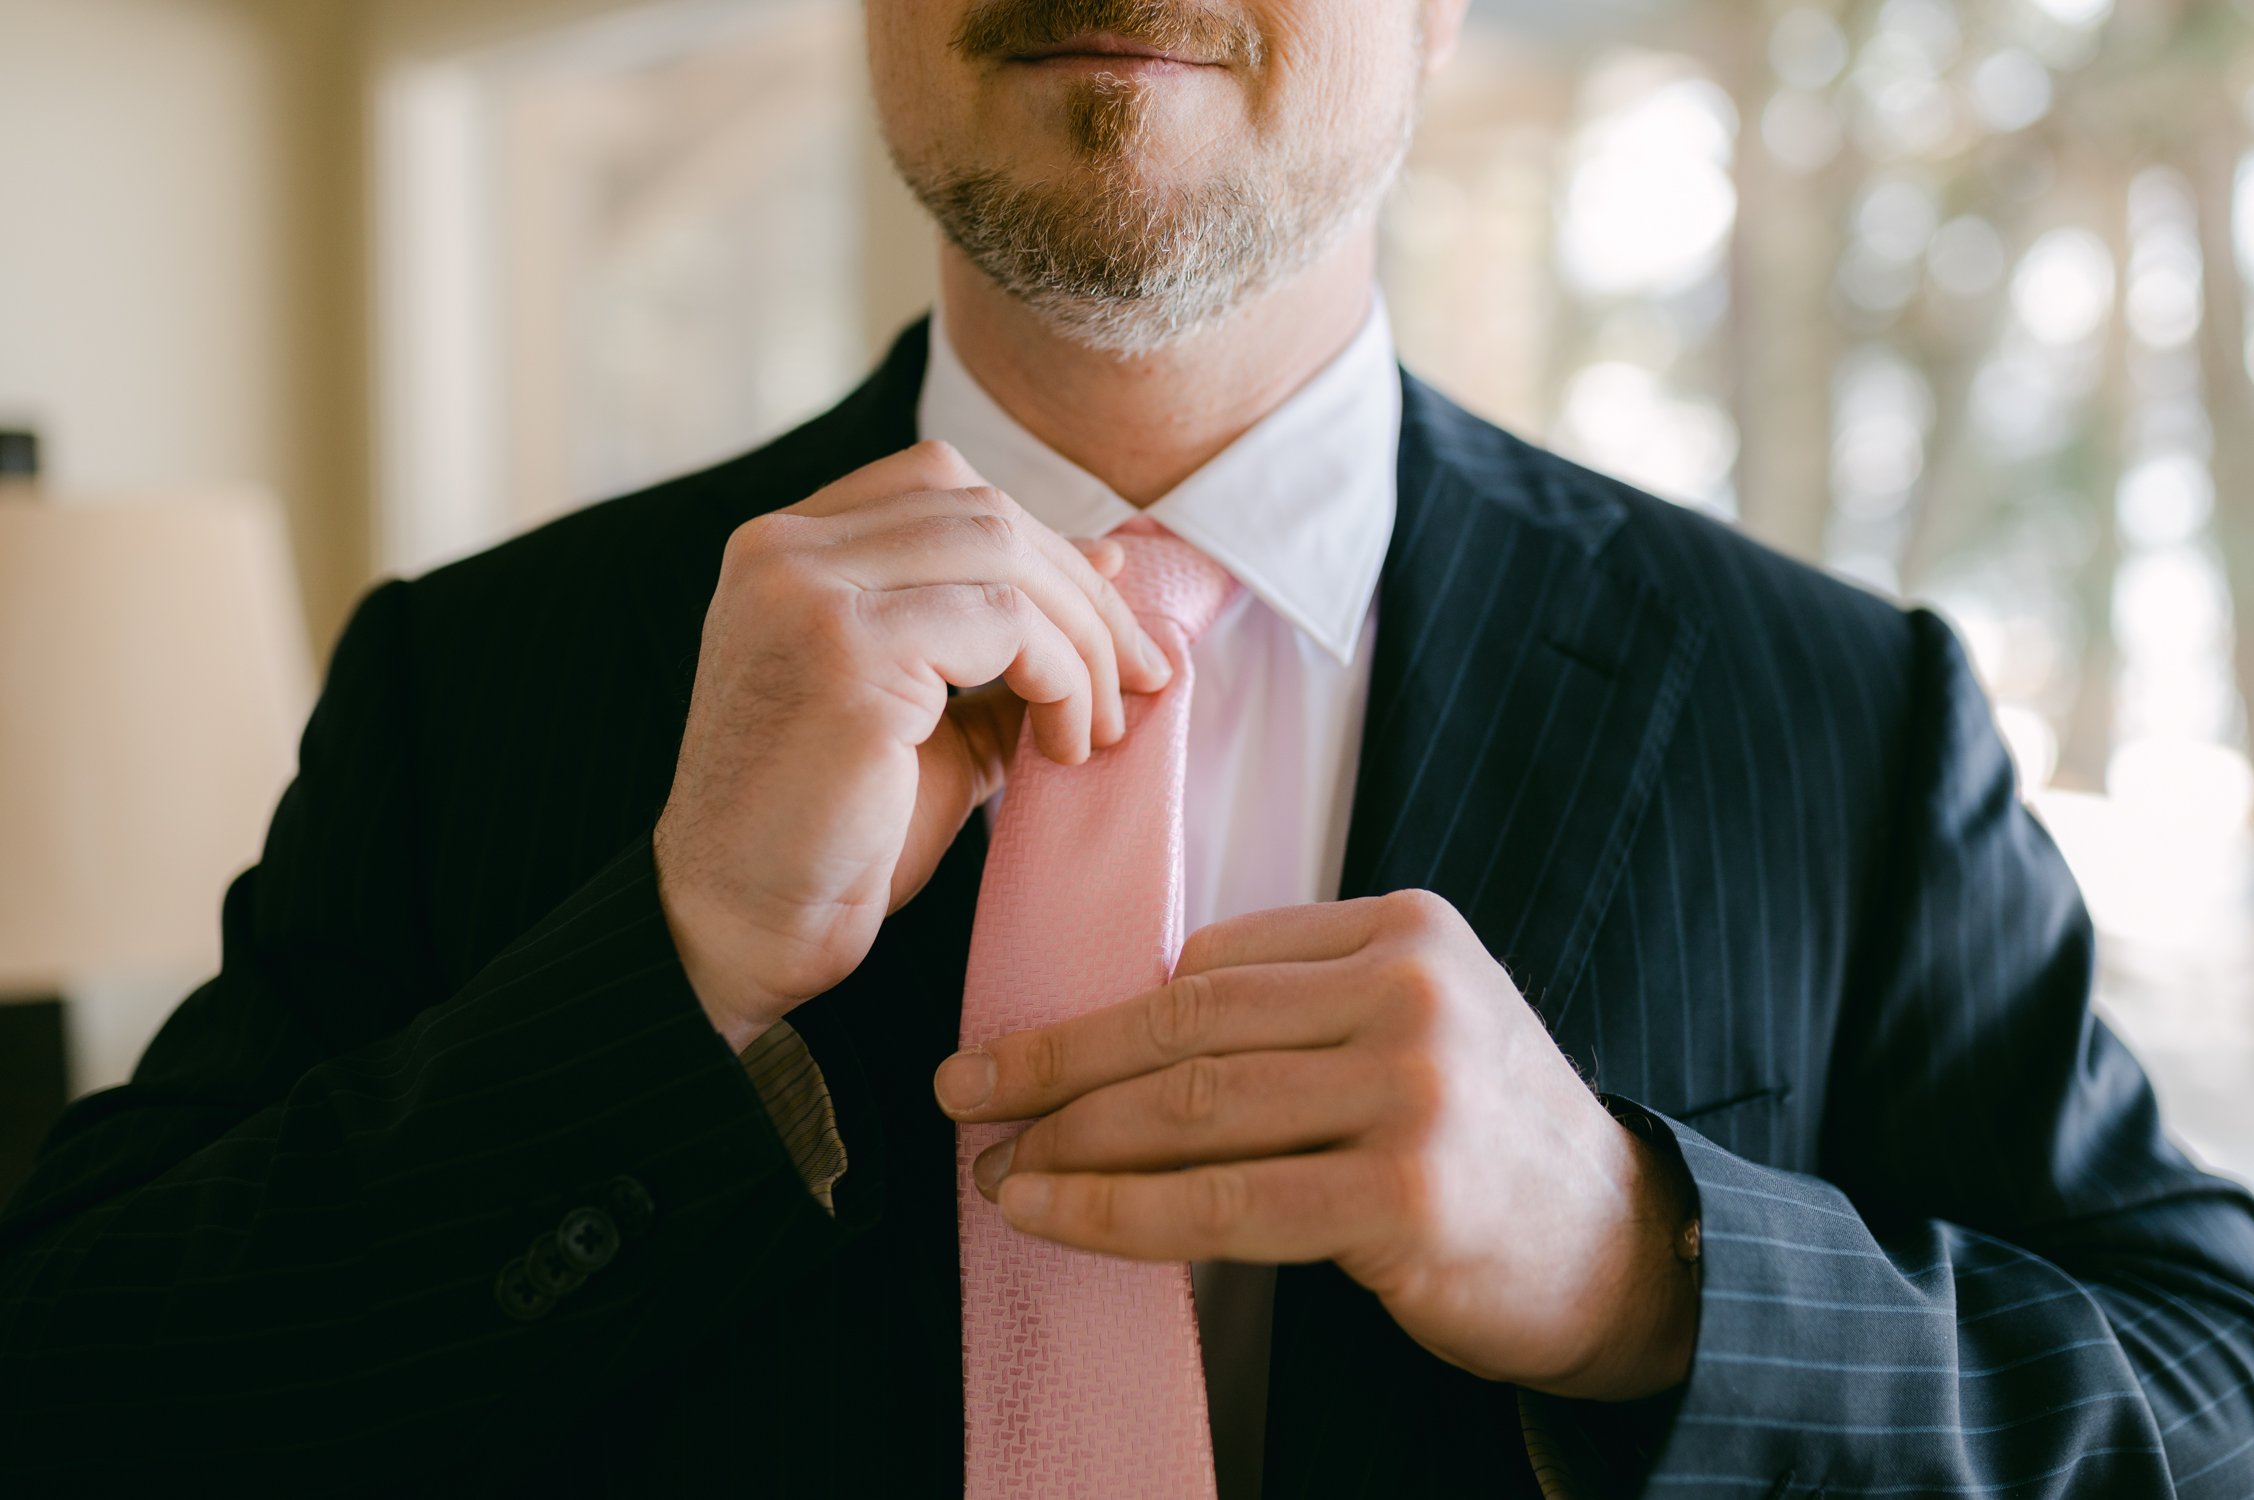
(631, 1207)
(550, 1269)
(518, 1297)
(587, 1239)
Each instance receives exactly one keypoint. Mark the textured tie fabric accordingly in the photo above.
(1081, 1373)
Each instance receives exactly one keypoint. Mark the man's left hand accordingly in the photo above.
(1358, 1082)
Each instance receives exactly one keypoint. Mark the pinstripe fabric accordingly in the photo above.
(1744, 836)
(796, 1099)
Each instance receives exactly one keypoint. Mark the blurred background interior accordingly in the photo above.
(1950, 296)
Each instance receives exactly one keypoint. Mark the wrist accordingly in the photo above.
(737, 1031)
(737, 1010)
(1645, 1322)
(719, 974)
(1666, 1271)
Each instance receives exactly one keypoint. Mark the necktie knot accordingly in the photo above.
(1168, 578)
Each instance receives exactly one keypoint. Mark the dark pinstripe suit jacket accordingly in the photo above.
(1744, 836)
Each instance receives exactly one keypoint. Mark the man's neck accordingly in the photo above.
(1143, 425)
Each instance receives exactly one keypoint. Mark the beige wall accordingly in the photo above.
(430, 28)
(179, 261)
(184, 223)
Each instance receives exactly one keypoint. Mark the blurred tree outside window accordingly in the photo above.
(1949, 296)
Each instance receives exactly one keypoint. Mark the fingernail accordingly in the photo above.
(1024, 1198)
(992, 1165)
(964, 1081)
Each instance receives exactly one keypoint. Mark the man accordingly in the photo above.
(563, 1118)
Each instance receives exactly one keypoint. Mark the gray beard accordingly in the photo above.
(1126, 269)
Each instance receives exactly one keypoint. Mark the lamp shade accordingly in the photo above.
(153, 677)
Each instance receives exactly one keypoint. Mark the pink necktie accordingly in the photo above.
(1081, 1375)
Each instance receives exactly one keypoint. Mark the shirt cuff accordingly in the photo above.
(797, 1100)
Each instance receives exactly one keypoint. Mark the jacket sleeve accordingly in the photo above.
(2006, 1279)
(341, 1214)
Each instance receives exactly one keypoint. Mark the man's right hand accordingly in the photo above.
(824, 769)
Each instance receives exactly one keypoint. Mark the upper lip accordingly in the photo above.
(1105, 44)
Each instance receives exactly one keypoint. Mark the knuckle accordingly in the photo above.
(1420, 997)
(938, 459)
(747, 545)
(1191, 1094)
(995, 531)
(1219, 1201)
(1184, 1014)
(1420, 911)
(1100, 1206)
(1045, 1060)
(1003, 598)
(985, 500)
(831, 621)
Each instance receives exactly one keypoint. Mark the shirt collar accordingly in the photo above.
(1300, 509)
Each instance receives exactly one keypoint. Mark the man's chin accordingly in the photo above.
(1145, 166)
(1145, 174)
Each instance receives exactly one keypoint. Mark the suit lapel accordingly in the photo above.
(1521, 699)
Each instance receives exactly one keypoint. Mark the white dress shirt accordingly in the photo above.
(1300, 509)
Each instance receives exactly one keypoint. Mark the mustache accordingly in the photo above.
(1011, 28)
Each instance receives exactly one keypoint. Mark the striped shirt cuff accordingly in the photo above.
(797, 1100)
